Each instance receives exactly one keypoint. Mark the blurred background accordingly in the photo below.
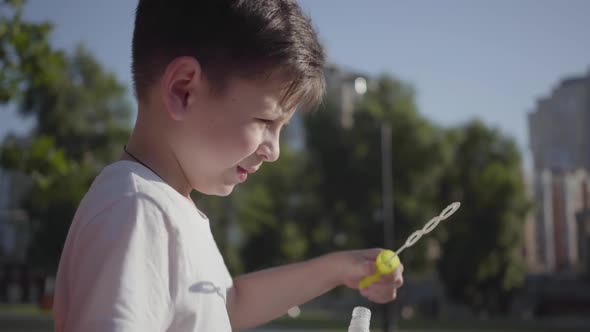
(429, 102)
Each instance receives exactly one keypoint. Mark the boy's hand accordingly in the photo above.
(355, 265)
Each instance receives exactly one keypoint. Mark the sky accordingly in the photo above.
(467, 59)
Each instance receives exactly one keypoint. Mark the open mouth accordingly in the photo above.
(242, 174)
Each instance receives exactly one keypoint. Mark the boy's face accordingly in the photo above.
(225, 137)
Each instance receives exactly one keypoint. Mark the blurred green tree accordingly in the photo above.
(482, 261)
(349, 160)
(82, 119)
(262, 223)
(58, 184)
(86, 110)
(26, 58)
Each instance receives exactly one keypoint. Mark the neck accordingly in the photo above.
(153, 150)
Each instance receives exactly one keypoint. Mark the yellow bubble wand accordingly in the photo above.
(387, 260)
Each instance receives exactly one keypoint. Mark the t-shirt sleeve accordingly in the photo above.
(123, 275)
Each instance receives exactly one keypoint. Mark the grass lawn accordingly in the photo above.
(23, 309)
(323, 323)
(17, 318)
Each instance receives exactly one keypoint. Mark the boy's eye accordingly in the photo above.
(266, 121)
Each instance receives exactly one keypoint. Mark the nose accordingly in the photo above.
(269, 150)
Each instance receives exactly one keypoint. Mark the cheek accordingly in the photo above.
(223, 141)
(244, 141)
(234, 142)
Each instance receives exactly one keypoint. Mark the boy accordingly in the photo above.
(215, 82)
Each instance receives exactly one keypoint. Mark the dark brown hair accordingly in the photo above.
(242, 38)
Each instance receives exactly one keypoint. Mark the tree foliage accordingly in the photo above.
(82, 119)
(483, 262)
(350, 163)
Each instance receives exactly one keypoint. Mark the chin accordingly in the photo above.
(223, 190)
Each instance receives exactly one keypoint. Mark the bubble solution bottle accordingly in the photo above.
(361, 319)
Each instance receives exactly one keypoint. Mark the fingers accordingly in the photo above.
(396, 278)
(369, 268)
(380, 294)
(385, 290)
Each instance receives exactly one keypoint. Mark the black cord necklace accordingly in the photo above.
(141, 162)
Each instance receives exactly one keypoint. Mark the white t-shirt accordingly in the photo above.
(139, 256)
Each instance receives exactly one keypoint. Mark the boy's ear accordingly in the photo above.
(179, 84)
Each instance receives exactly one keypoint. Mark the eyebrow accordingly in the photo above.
(281, 114)
(286, 116)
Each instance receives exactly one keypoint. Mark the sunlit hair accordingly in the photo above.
(253, 39)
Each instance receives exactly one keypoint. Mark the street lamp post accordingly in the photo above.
(387, 185)
(360, 87)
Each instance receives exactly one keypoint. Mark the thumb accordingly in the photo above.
(368, 268)
(371, 254)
